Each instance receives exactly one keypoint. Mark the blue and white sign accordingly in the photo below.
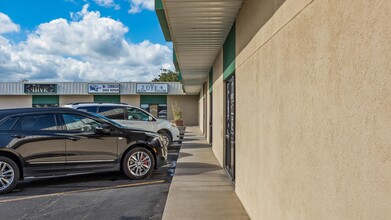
(152, 88)
(103, 88)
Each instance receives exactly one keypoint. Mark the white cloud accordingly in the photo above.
(6, 24)
(107, 4)
(92, 48)
(137, 6)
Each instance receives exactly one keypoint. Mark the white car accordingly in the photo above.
(131, 116)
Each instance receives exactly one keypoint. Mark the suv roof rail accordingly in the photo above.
(80, 103)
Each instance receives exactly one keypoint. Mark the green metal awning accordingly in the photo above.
(107, 98)
(45, 99)
(153, 99)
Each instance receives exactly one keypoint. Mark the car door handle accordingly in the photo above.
(18, 136)
(74, 138)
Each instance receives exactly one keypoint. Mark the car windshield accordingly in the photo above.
(107, 119)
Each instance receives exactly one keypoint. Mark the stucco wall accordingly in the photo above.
(131, 99)
(66, 99)
(218, 109)
(314, 111)
(16, 101)
(189, 106)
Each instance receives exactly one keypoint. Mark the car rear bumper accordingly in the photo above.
(175, 134)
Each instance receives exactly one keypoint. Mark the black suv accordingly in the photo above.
(37, 142)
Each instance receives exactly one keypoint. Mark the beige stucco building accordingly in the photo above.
(157, 98)
(298, 93)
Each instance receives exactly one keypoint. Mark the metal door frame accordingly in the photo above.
(230, 132)
(211, 118)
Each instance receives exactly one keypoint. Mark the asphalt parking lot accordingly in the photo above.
(91, 196)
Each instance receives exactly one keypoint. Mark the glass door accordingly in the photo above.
(211, 119)
(230, 128)
(153, 109)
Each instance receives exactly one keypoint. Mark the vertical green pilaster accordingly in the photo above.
(211, 80)
(229, 53)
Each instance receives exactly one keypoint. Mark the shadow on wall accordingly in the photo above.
(248, 26)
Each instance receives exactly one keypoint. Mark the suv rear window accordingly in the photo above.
(8, 123)
(36, 122)
(88, 108)
(112, 112)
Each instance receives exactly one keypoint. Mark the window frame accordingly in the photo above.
(64, 127)
(3, 120)
(82, 108)
(147, 113)
(20, 116)
(125, 114)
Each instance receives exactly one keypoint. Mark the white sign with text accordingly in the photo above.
(103, 88)
(152, 88)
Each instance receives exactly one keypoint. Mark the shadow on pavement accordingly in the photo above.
(195, 168)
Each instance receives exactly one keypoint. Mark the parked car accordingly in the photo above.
(128, 115)
(37, 142)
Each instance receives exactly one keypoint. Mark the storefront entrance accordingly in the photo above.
(230, 128)
(156, 105)
(45, 101)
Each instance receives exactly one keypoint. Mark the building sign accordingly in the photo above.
(103, 88)
(152, 88)
(40, 88)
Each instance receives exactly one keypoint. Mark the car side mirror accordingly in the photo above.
(150, 118)
(103, 129)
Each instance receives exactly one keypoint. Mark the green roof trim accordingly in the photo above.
(211, 80)
(159, 9)
(229, 53)
(180, 76)
(176, 64)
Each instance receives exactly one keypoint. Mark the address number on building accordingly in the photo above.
(152, 88)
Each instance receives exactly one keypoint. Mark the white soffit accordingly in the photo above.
(198, 30)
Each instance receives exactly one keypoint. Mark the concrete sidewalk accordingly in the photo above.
(200, 188)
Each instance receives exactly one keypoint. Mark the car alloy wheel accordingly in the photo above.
(139, 163)
(7, 175)
(166, 138)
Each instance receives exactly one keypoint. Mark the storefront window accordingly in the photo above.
(44, 105)
(145, 107)
(162, 112)
(157, 110)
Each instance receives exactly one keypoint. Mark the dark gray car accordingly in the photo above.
(36, 142)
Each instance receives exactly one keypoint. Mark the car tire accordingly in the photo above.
(9, 175)
(138, 163)
(167, 137)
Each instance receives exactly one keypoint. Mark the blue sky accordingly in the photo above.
(81, 40)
